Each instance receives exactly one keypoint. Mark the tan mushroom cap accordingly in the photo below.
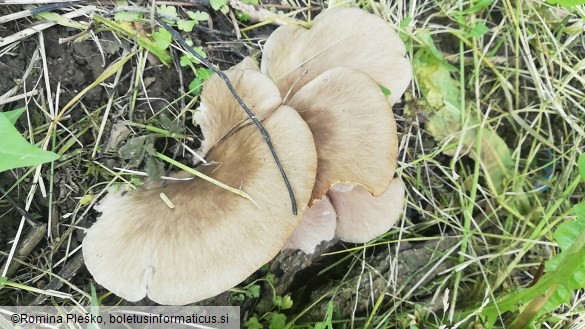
(257, 91)
(318, 225)
(213, 239)
(354, 130)
(350, 37)
(361, 216)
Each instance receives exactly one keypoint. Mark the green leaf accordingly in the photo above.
(162, 38)
(253, 323)
(16, 152)
(283, 302)
(195, 86)
(169, 11)
(581, 163)
(217, 4)
(86, 199)
(387, 92)
(203, 73)
(441, 92)
(198, 15)
(188, 58)
(128, 16)
(566, 3)
(253, 291)
(133, 151)
(277, 321)
(158, 49)
(242, 16)
(478, 30)
(184, 61)
(186, 26)
(154, 168)
(477, 6)
(565, 274)
(13, 115)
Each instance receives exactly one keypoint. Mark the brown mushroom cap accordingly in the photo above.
(350, 37)
(318, 224)
(361, 216)
(212, 239)
(261, 97)
(354, 130)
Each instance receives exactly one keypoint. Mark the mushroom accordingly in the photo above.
(361, 217)
(348, 37)
(332, 74)
(318, 224)
(212, 239)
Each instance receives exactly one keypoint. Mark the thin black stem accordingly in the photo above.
(250, 114)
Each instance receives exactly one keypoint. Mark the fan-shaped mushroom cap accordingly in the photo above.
(361, 216)
(248, 63)
(350, 37)
(318, 224)
(257, 91)
(212, 239)
(354, 130)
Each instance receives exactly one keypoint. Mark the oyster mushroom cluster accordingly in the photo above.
(320, 95)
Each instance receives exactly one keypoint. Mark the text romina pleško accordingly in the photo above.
(122, 318)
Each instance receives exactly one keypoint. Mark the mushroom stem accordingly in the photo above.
(250, 114)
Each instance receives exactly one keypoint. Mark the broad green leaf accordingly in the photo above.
(154, 168)
(253, 323)
(217, 4)
(477, 6)
(565, 273)
(16, 152)
(277, 321)
(127, 16)
(566, 3)
(13, 115)
(203, 73)
(162, 38)
(283, 302)
(441, 92)
(142, 39)
(198, 15)
(242, 16)
(170, 11)
(185, 25)
(195, 86)
(133, 151)
(86, 199)
(253, 291)
(188, 58)
(478, 30)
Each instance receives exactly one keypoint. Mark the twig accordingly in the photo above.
(29, 242)
(250, 114)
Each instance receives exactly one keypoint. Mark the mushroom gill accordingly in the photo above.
(212, 239)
